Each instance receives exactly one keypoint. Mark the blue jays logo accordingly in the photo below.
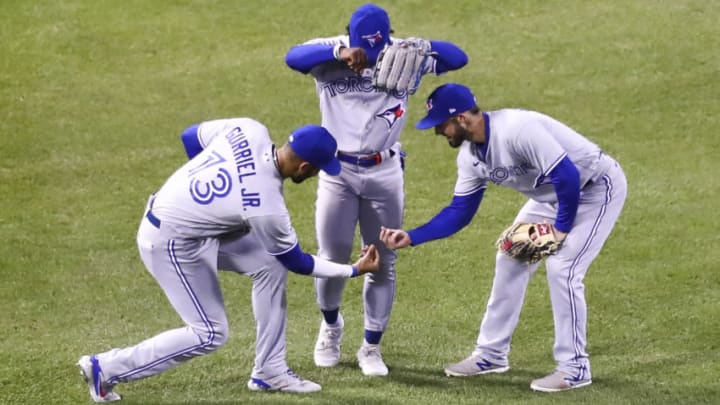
(392, 114)
(429, 105)
(373, 38)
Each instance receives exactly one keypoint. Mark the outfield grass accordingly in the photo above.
(94, 94)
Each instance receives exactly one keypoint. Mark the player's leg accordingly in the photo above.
(247, 255)
(336, 212)
(503, 309)
(600, 206)
(186, 271)
(382, 204)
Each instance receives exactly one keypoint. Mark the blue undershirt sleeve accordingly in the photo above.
(449, 56)
(305, 57)
(450, 220)
(297, 261)
(566, 180)
(190, 139)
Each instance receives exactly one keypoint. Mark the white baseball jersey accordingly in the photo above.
(232, 186)
(523, 147)
(362, 123)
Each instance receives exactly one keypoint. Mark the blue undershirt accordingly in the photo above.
(450, 220)
(191, 142)
(305, 57)
(297, 261)
(566, 180)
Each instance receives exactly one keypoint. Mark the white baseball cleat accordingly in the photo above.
(286, 382)
(558, 381)
(474, 365)
(370, 360)
(329, 342)
(100, 391)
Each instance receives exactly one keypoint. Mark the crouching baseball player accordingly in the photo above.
(576, 193)
(225, 209)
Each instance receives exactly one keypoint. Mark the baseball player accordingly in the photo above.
(574, 189)
(225, 209)
(366, 122)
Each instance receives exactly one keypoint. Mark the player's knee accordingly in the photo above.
(214, 337)
(275, 274)
(336, 251)
(386, 273)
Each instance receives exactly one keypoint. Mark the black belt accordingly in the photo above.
(364, 161)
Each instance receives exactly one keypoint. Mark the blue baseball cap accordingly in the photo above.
(314, 144)
(369, 29)
(444, 102)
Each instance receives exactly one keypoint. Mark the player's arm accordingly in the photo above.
(449, 220)
(306, 264)
(280, 240)
(305, 57)
(543, 151)
(191, 140)
(566, 180)
(448, 56)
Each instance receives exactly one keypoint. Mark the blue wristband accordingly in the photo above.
(355, 272)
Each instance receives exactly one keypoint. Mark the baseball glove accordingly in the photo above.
(401, 65)
(527, 242)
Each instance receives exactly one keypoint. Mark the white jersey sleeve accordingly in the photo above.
(471, 175)
(276, 233)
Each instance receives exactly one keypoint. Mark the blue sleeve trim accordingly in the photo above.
(449, 56)
(191, 141)
(297, 261)
(305, 57)
(566, 180)
(450, 220)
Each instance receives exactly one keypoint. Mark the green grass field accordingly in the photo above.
(94, 94)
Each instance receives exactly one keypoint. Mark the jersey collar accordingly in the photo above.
(481, 148)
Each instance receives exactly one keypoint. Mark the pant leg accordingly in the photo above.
(336, 214)
(599, 208)
(247, 256)
(382, 203)
(186, 272)
(503, 308)
(508, 293)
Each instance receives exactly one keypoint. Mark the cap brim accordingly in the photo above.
(429, 122)
(332, 167)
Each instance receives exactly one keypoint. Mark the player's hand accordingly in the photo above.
(369, 260)
(355, 58)
(394, 238)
